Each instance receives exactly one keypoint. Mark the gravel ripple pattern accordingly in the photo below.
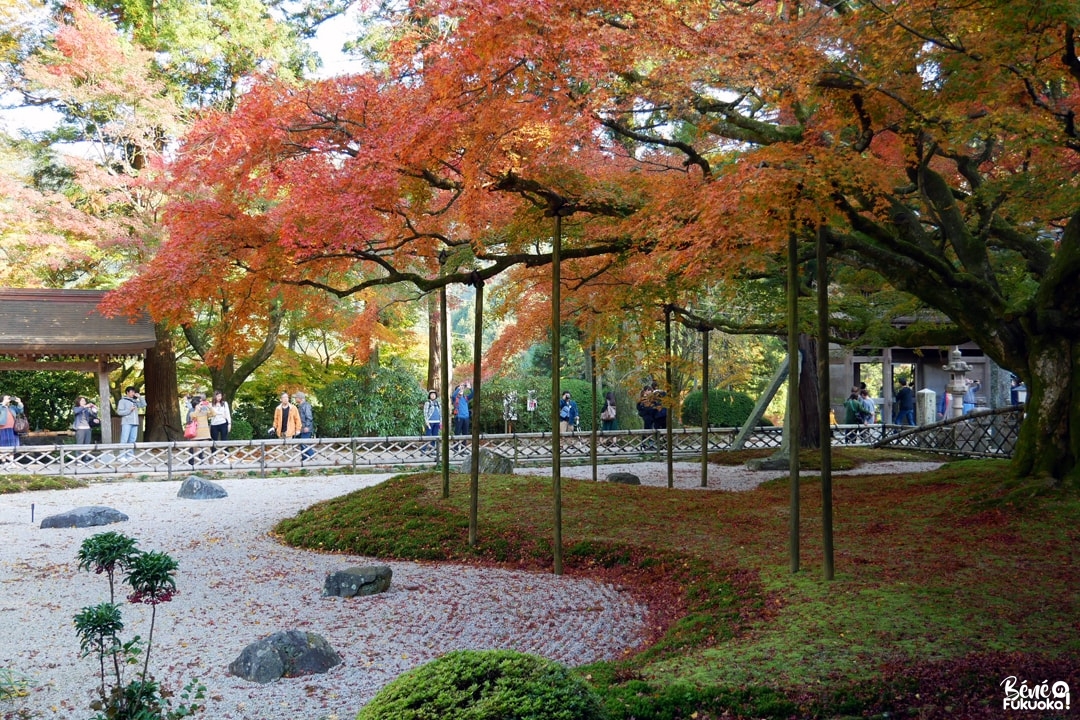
(237, 585)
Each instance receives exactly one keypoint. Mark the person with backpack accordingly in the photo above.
(10, 408)
(432, 419)
(852, 410)
(607, 415)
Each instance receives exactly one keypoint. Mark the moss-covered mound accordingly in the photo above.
(485, 685)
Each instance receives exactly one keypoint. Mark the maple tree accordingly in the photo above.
(936, 146)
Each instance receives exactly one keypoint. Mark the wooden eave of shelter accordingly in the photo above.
(64, 329)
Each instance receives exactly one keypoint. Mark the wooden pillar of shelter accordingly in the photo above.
(104, 407)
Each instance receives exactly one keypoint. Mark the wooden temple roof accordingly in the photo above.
(66, 324)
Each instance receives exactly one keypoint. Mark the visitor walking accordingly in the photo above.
(852, 409)
(128, 410)
(85, 413)
(905, 404)
(221, 421)
(307, 422)
(646, 408)
(607, 415)
(568, 414)
(10, 407)
(432, 418)
(973, 386)
(459, 401)
(286, 419)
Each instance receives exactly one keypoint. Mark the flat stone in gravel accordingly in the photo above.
(195, 488)
(365, 580)
(81, 517)
(292, 653)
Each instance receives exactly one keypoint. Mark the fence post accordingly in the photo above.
(262, 458)
(168, 461)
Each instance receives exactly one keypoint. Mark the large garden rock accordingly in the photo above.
(195, 488)
(292, 653)
(491, 463)
(89, 516)
(624, 478)
(366, 580)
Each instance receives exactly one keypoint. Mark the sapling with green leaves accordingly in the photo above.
(151, 578)
(150, 575)
(107, 553)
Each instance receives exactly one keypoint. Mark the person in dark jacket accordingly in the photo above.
(646, 409)
(568, 413)
(905, 405)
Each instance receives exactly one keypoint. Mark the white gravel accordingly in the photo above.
(237, 586)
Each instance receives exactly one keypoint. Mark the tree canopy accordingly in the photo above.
(935, 146)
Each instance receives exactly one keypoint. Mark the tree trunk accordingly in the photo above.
(809, 432)
(162, 400)
(1049, 443)
(228, 377)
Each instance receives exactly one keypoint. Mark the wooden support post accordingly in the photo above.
(474, 466)
(556, 450)
(823, 403)
(667, 388)
(444, 387)
(791, 422)
(595, 404)
(104, 404)
(704, 406)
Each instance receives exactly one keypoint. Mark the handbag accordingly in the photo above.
(22, 425)
(192, 430)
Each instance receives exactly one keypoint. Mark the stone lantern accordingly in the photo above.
(957, 386)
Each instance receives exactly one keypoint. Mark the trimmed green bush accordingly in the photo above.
(386, 400)
(241, 429)
(726, 409)
(486, 685)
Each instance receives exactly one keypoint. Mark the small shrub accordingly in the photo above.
(726, 409)
(486, 685)
(241, 429)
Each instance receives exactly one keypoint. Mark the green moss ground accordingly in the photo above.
(945, 583)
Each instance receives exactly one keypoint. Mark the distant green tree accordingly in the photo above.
(48, 396)
(372, 400)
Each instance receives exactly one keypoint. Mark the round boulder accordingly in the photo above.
(624, 478)
(292, 653)
(195, 488)
(366, 580)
